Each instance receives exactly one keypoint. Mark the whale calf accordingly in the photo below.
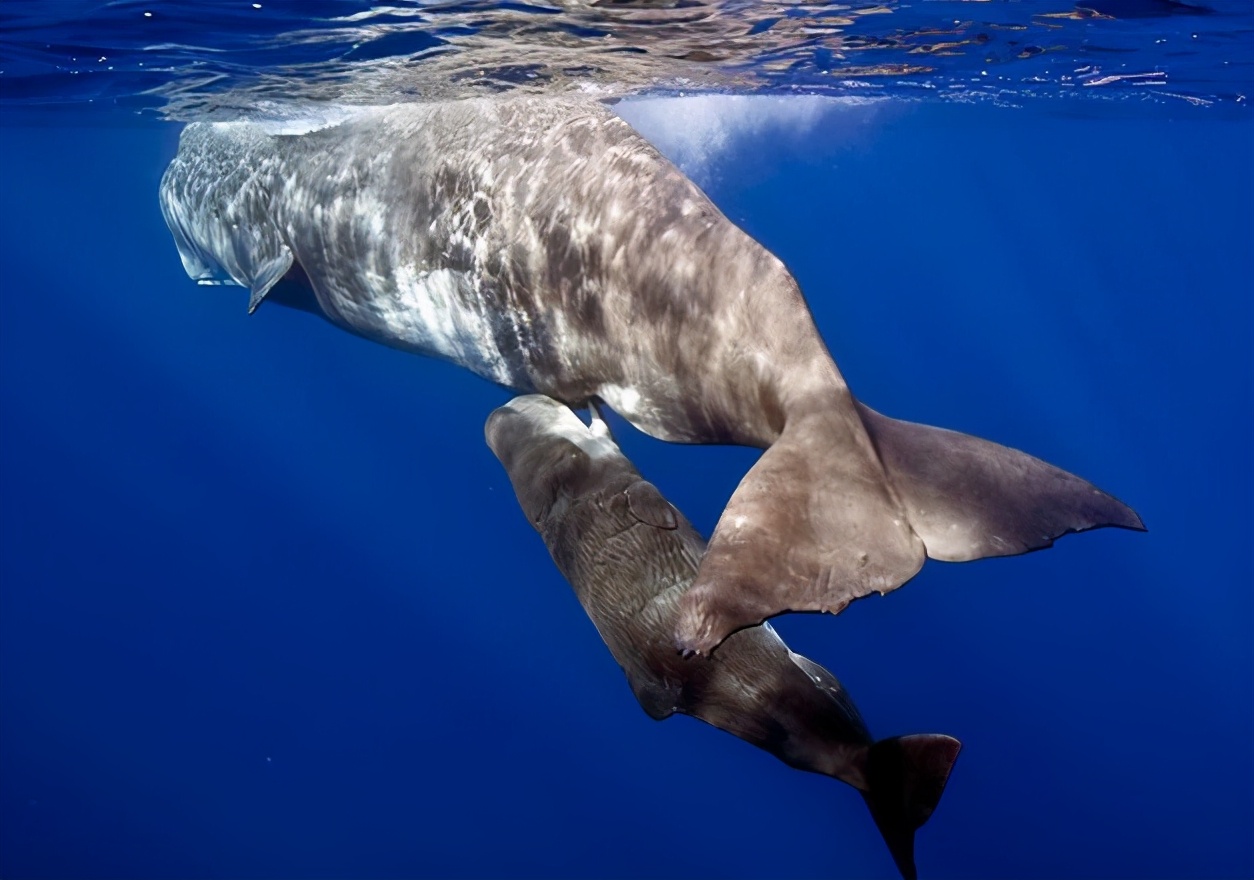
(631, 558)
(545, 245)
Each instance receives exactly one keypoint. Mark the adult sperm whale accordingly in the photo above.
(542, 243)
(631, 557)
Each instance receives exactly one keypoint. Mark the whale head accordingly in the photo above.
(216, 200)
(550, 455)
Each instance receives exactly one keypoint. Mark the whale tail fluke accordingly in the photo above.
(811, 527)
(847, 502)
(906, 776)
(969, 498)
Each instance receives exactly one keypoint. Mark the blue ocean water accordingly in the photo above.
(268, 607)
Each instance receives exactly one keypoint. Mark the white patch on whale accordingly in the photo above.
(624, 401)
(560, 421)
(425, 311)
(428, 311)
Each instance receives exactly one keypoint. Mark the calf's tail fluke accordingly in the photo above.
(847, 502)
(906, 776)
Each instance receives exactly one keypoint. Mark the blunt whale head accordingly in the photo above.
(550, 454)
(219, 210)
(553, 459)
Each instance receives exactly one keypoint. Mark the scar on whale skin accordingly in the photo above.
(631, 558)
(542, 243)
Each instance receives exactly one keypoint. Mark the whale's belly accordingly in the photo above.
(433, 311)
(397, 265)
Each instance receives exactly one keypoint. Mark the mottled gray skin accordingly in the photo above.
(583, 259)
(631, 557)
(545, 245)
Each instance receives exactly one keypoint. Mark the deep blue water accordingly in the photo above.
(268, 607)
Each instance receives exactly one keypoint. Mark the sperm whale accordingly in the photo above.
(545, 245)
(631, 556)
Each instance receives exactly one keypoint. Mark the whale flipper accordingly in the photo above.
(829, 515)
(907, 775)
(266, 276)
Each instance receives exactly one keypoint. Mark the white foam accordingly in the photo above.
(273, 118)
(697, 131)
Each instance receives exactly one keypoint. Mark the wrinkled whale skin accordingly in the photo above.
(631, 556)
